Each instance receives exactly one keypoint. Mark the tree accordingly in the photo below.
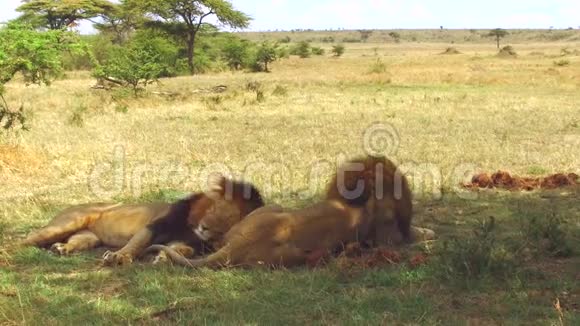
(267, 53)
(236, 53)
(316, 50)
(365, 34)
(498, 33)
(338, 50)
(192, 15)
(396, 36)
(36, 55)
(119, 23)
(59, 14)
(141, 62)
(302, 50)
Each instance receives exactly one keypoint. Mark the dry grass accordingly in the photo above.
(450, 112)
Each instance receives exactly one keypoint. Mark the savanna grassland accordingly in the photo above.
(444, 116)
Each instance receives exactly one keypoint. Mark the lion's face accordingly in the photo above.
(218, 220)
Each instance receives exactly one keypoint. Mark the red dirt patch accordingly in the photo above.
(504, 180)
(356, 257)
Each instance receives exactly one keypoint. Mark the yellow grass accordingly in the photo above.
(442, 117)
(450, 113)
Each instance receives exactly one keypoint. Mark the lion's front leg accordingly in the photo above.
(129, 252)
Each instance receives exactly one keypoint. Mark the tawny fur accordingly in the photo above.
(134, 227)
(272, 236)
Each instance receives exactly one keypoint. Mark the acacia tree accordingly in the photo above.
(498, 33)
(36, 55)
(119, 22)
(59, 14)
(267, 53)
(192, 14)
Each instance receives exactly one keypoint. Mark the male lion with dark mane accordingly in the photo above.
(368, 200)
(133, 228)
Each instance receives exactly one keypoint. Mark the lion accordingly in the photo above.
(133, 228)
(368, 200)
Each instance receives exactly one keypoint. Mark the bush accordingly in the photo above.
(202, 63)
(546, 234)
(159, 44)
(351, 40)
(451, 50)
(257, 88)
(280, 91)
(283, 52)
(507, 51)
(395, 36)
(286, 39)
(378, 67)
(266, 54)
(562, 63)
(77, 117)
(302, 50)
(338, 50)
(476, 255)
(38, 56)
(327, 39)
(236, 54)
(139, 63)
(317, 50)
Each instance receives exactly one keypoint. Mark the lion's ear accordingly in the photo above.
(216, 183)
(220, 187)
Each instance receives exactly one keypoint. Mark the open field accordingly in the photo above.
(449, 36)
(441, 116)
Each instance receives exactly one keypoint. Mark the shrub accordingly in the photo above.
(327, 39)
(139, 63)
(280, 91)
(395, 36)
(77, 117)
(477, 255)
(38, 56)
(302, 50)
(562, 63)
(236, 54)
(351, 40)
(286, 39)
(266, 54)
(378, 67)
(257, 88)
(507, 51)
(451, 50)
(317, 50)
(283, 52)
(338, 50)
(546, 234)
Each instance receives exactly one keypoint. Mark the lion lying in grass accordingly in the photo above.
(367, 200)
(134, 227)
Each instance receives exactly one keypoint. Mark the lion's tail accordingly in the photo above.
(214, 260)
(374, 180)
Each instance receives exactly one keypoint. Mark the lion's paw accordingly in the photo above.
(161, 258)
(60, 248)
(111, 258)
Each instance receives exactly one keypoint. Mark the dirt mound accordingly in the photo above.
(451, 50)
(507, 52)
(354, 256)
(503, 180)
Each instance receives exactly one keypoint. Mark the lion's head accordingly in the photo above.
(224, 205)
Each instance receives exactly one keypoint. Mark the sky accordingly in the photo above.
(393, 14)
